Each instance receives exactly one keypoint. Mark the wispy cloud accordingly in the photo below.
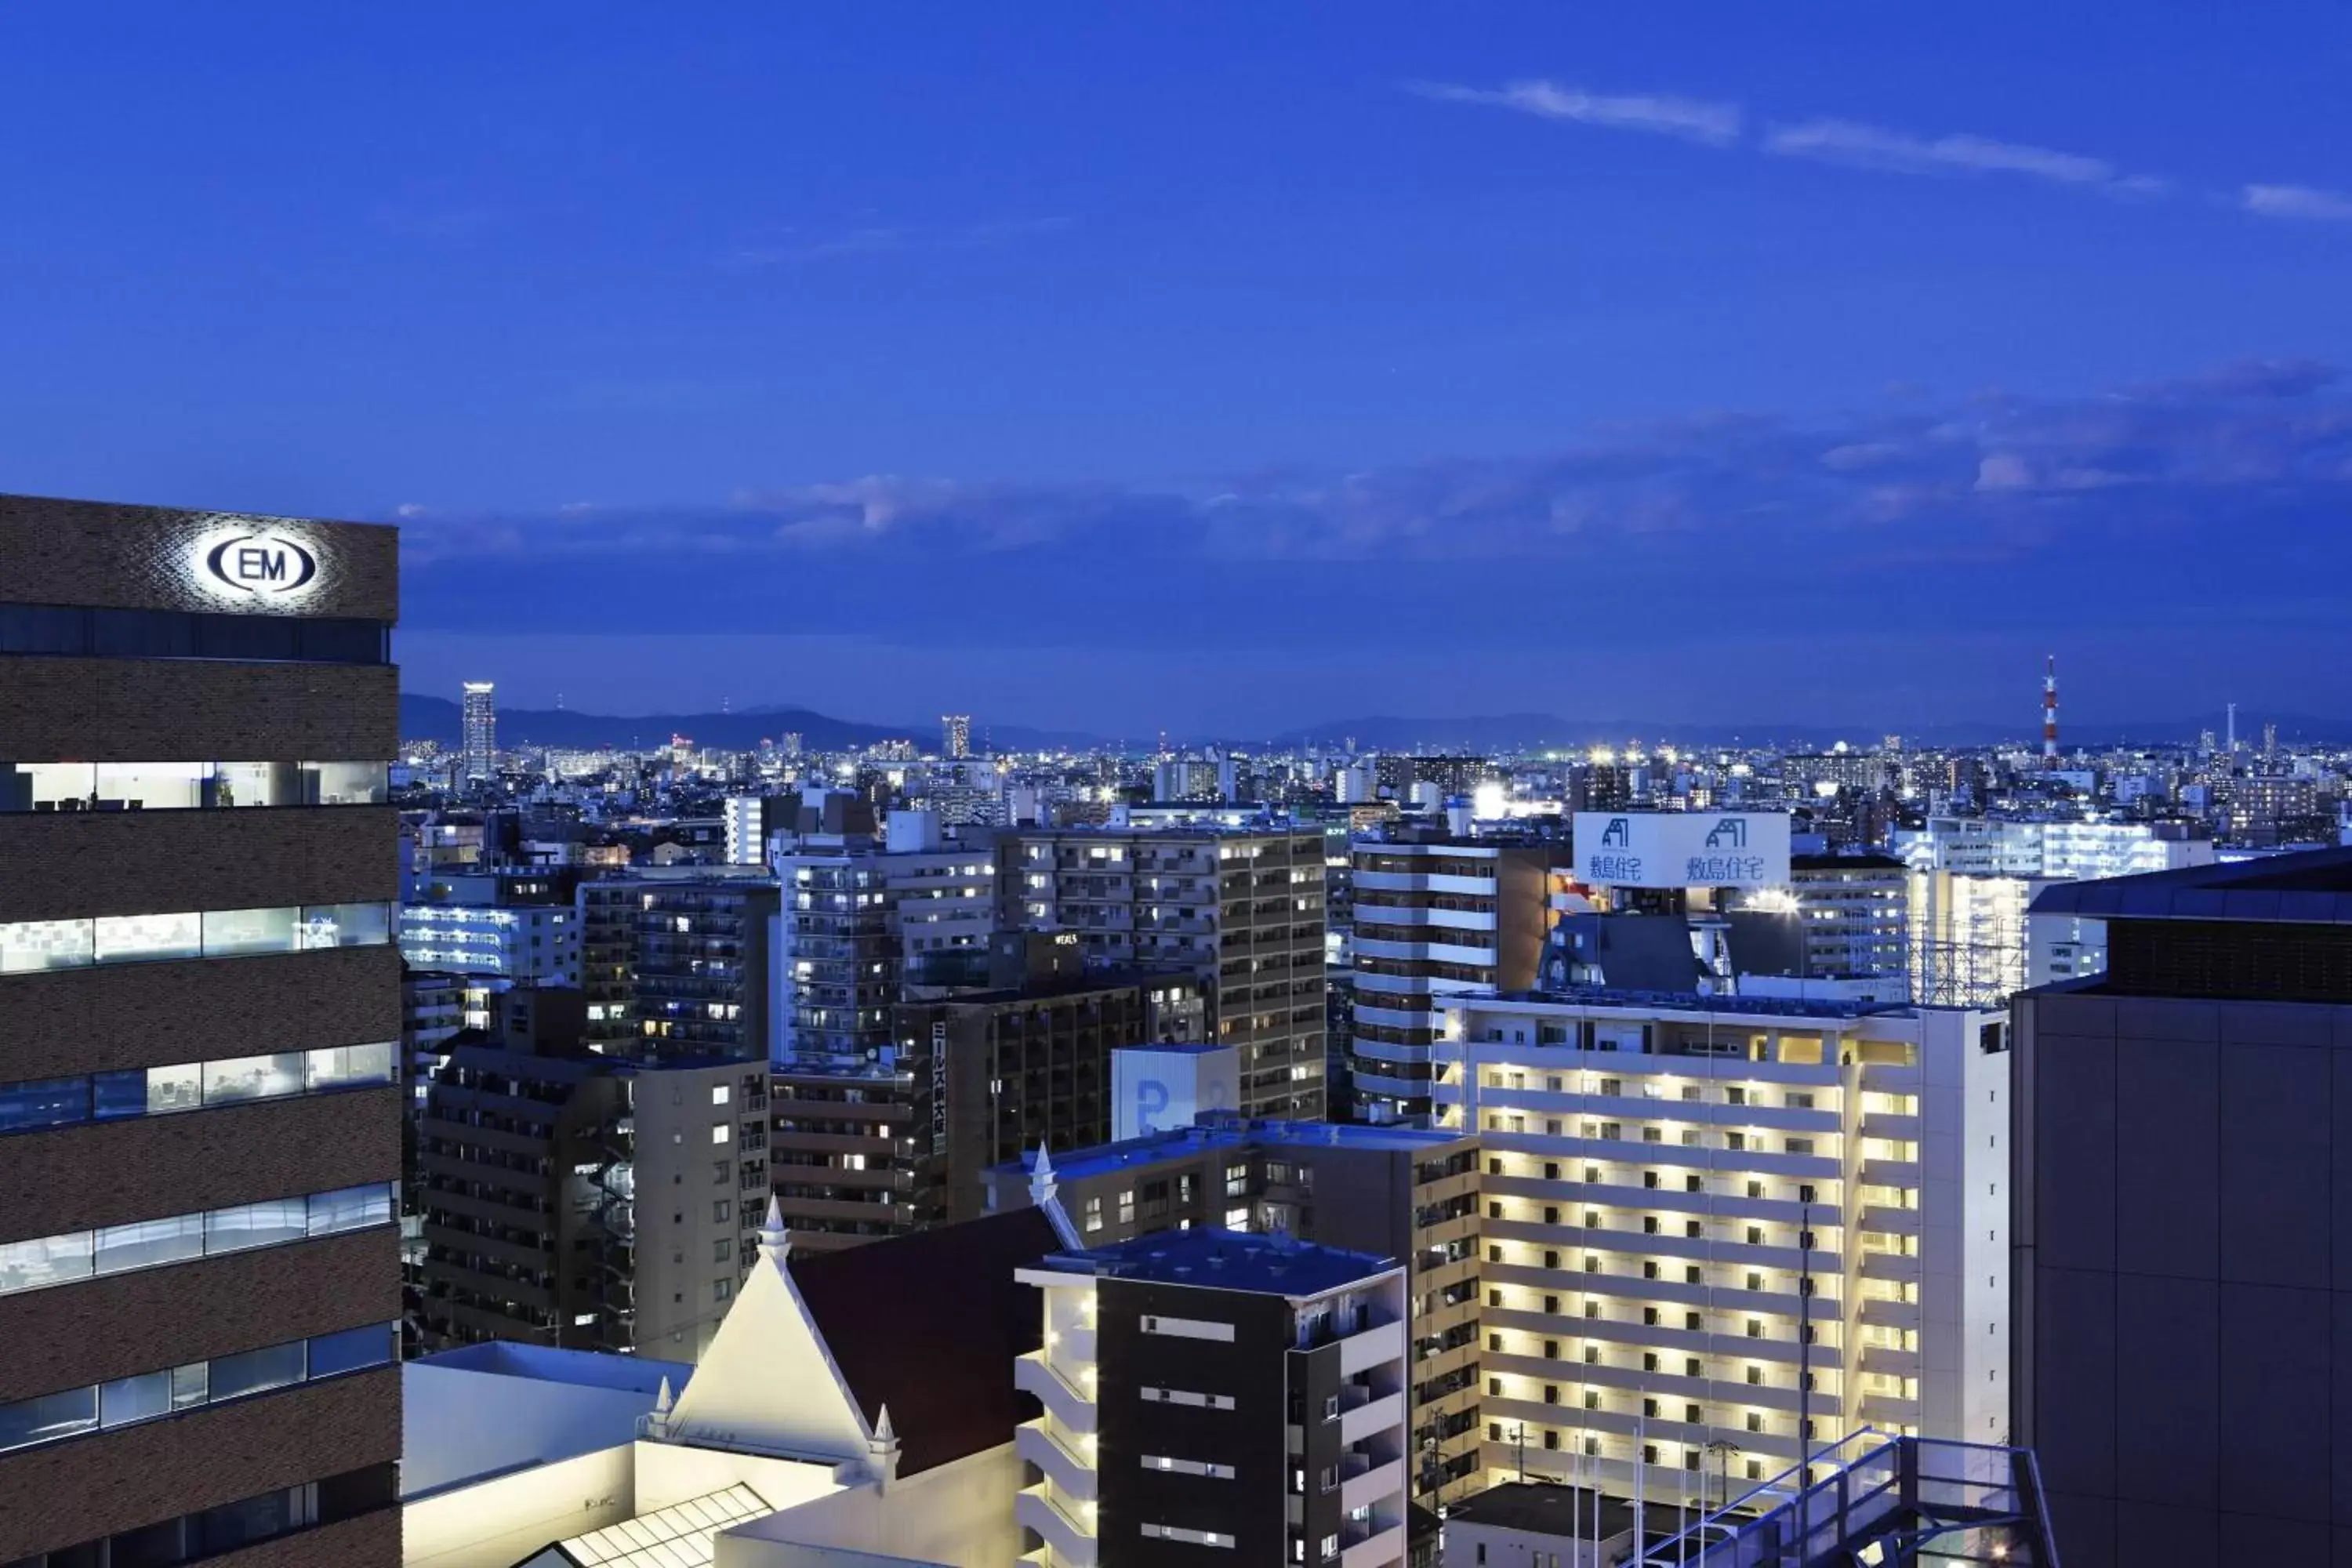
(1862, 146)
(795, 244)
(2306, 201)
(2163, 469)
(1694, 119)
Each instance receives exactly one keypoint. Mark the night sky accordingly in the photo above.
(1230, 367)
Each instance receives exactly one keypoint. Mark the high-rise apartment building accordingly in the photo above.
(1435, 916)
(1242, 908)
(498, 929)
(577, 1200)
(955, 736)
(478, 737)
(1710, 1220)
(1973, 879)
(857, 911)
(2068, 850)
(1853, 913)
(874, 1148)
(200, 1006)
(1209, 1389)
(2183, 1269)
(1406, 1193)
(677, 961)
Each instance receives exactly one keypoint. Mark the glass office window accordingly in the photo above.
(191, 1384)
(145, 1243)
(350, 1208)
(32, 1105)
(236, 934)
(115, 1095)
(129, 1399)
(46, 787)
(44, 1260)
(352, 1349)
(44, 1102)
(272, 1366)
(346, 1066)
(44, 944)
(135, 939)
(255, 783)
(159, 1545)
(47, 1418)
(252, 1078)
(42, 628)
(263, 1224)
(346, 925)
(182, 785)
(346, 783)
(151, 787)
(140, 634)
(254, 1519)
(176, 1087)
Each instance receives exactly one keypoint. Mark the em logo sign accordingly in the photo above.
(257, 564)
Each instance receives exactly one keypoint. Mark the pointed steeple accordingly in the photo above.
(1042, 1191)
(776, 1241)
(656, 1423)
(883, 1449)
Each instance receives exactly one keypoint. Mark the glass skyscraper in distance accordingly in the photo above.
(480, 732)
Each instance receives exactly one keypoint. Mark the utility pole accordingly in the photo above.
(1641, 1476)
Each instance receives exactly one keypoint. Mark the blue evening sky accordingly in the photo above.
(1229, 366)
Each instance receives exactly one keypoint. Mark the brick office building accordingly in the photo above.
(200, 1007)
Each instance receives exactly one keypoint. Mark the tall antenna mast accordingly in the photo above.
(2050, 712)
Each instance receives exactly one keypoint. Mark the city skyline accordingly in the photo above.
(1588, 358)
(1103, 785)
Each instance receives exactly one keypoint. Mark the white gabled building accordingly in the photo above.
(1654, 1167)
(858, 1410)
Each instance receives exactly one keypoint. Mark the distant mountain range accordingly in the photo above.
(437, 718)
(425, 717)
(1540, 731)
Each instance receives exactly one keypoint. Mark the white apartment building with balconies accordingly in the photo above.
(1710, 1218)
(1435, 917)
(1215, 1389)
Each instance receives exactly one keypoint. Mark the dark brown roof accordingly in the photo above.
(931, 1325)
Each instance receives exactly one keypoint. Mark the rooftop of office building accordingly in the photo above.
(1870, 861)
(1632, 1001)
(2312, 888)
(1260, 827)
(1227, 1260)
(1228, 1131)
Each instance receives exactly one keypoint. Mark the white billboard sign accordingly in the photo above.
(1748, 850)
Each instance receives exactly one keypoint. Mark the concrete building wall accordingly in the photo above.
(702, 1185)
(64, 703)
(66, 1493)
(153, 862)
(2184, 1276)
(144, 710)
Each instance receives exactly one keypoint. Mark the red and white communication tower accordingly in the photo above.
(2050, 712)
